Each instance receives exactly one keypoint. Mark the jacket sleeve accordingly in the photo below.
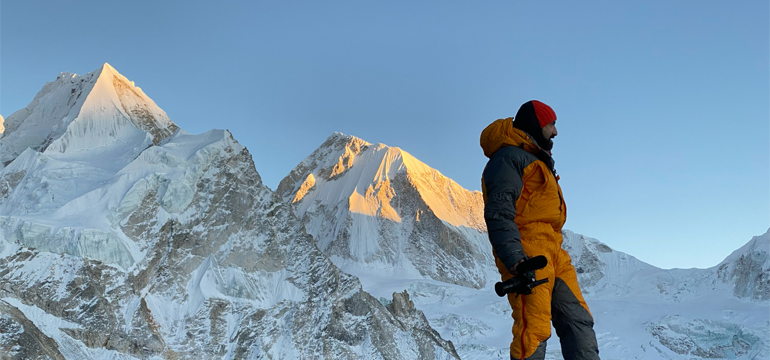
(503, 183)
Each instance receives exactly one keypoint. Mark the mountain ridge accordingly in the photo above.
(352, 145)
(170, 246)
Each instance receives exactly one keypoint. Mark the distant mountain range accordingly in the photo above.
(124, 237)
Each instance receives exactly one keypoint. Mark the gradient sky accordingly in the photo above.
(663, 106)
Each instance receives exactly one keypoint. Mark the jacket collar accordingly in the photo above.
(501, 133)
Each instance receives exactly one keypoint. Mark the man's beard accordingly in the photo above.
(548, 145)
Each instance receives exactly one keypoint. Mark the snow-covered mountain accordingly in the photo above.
(123, 237)
(365, 205)
(606, 273)
(370, 206)
(75, 114)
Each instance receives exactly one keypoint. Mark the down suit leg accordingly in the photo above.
(559, 300)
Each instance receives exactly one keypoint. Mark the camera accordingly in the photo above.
(525, 280)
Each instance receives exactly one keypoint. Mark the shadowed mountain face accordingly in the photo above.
(122, 236)
(370, 206)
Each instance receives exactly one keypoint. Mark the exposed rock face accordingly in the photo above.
(21, 339)
(405, 312)
(373, 206)
(373, 216)
(141, 114)
(175, 252)
(748, 269)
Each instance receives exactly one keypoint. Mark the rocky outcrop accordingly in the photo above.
(20, 339)
(748, 269)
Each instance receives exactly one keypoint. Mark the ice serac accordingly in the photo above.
(175, 252)
(371, 206)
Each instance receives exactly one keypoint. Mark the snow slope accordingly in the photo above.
(641, 312)
(124, 237)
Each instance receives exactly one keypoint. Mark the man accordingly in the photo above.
(525, 211)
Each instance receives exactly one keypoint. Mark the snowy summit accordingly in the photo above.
(79, 113)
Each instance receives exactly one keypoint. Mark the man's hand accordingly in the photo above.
(513, 269)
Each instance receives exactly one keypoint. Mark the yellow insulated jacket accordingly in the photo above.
(522, 197)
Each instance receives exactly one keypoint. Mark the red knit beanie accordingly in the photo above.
(532, 116)
(545, 115)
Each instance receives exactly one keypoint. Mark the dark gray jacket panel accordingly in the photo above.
(503, 182)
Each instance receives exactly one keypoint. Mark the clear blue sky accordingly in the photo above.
(663, 106)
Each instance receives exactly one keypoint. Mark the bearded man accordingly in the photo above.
(524, 210)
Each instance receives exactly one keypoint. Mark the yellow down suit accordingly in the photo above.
(525, 211)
